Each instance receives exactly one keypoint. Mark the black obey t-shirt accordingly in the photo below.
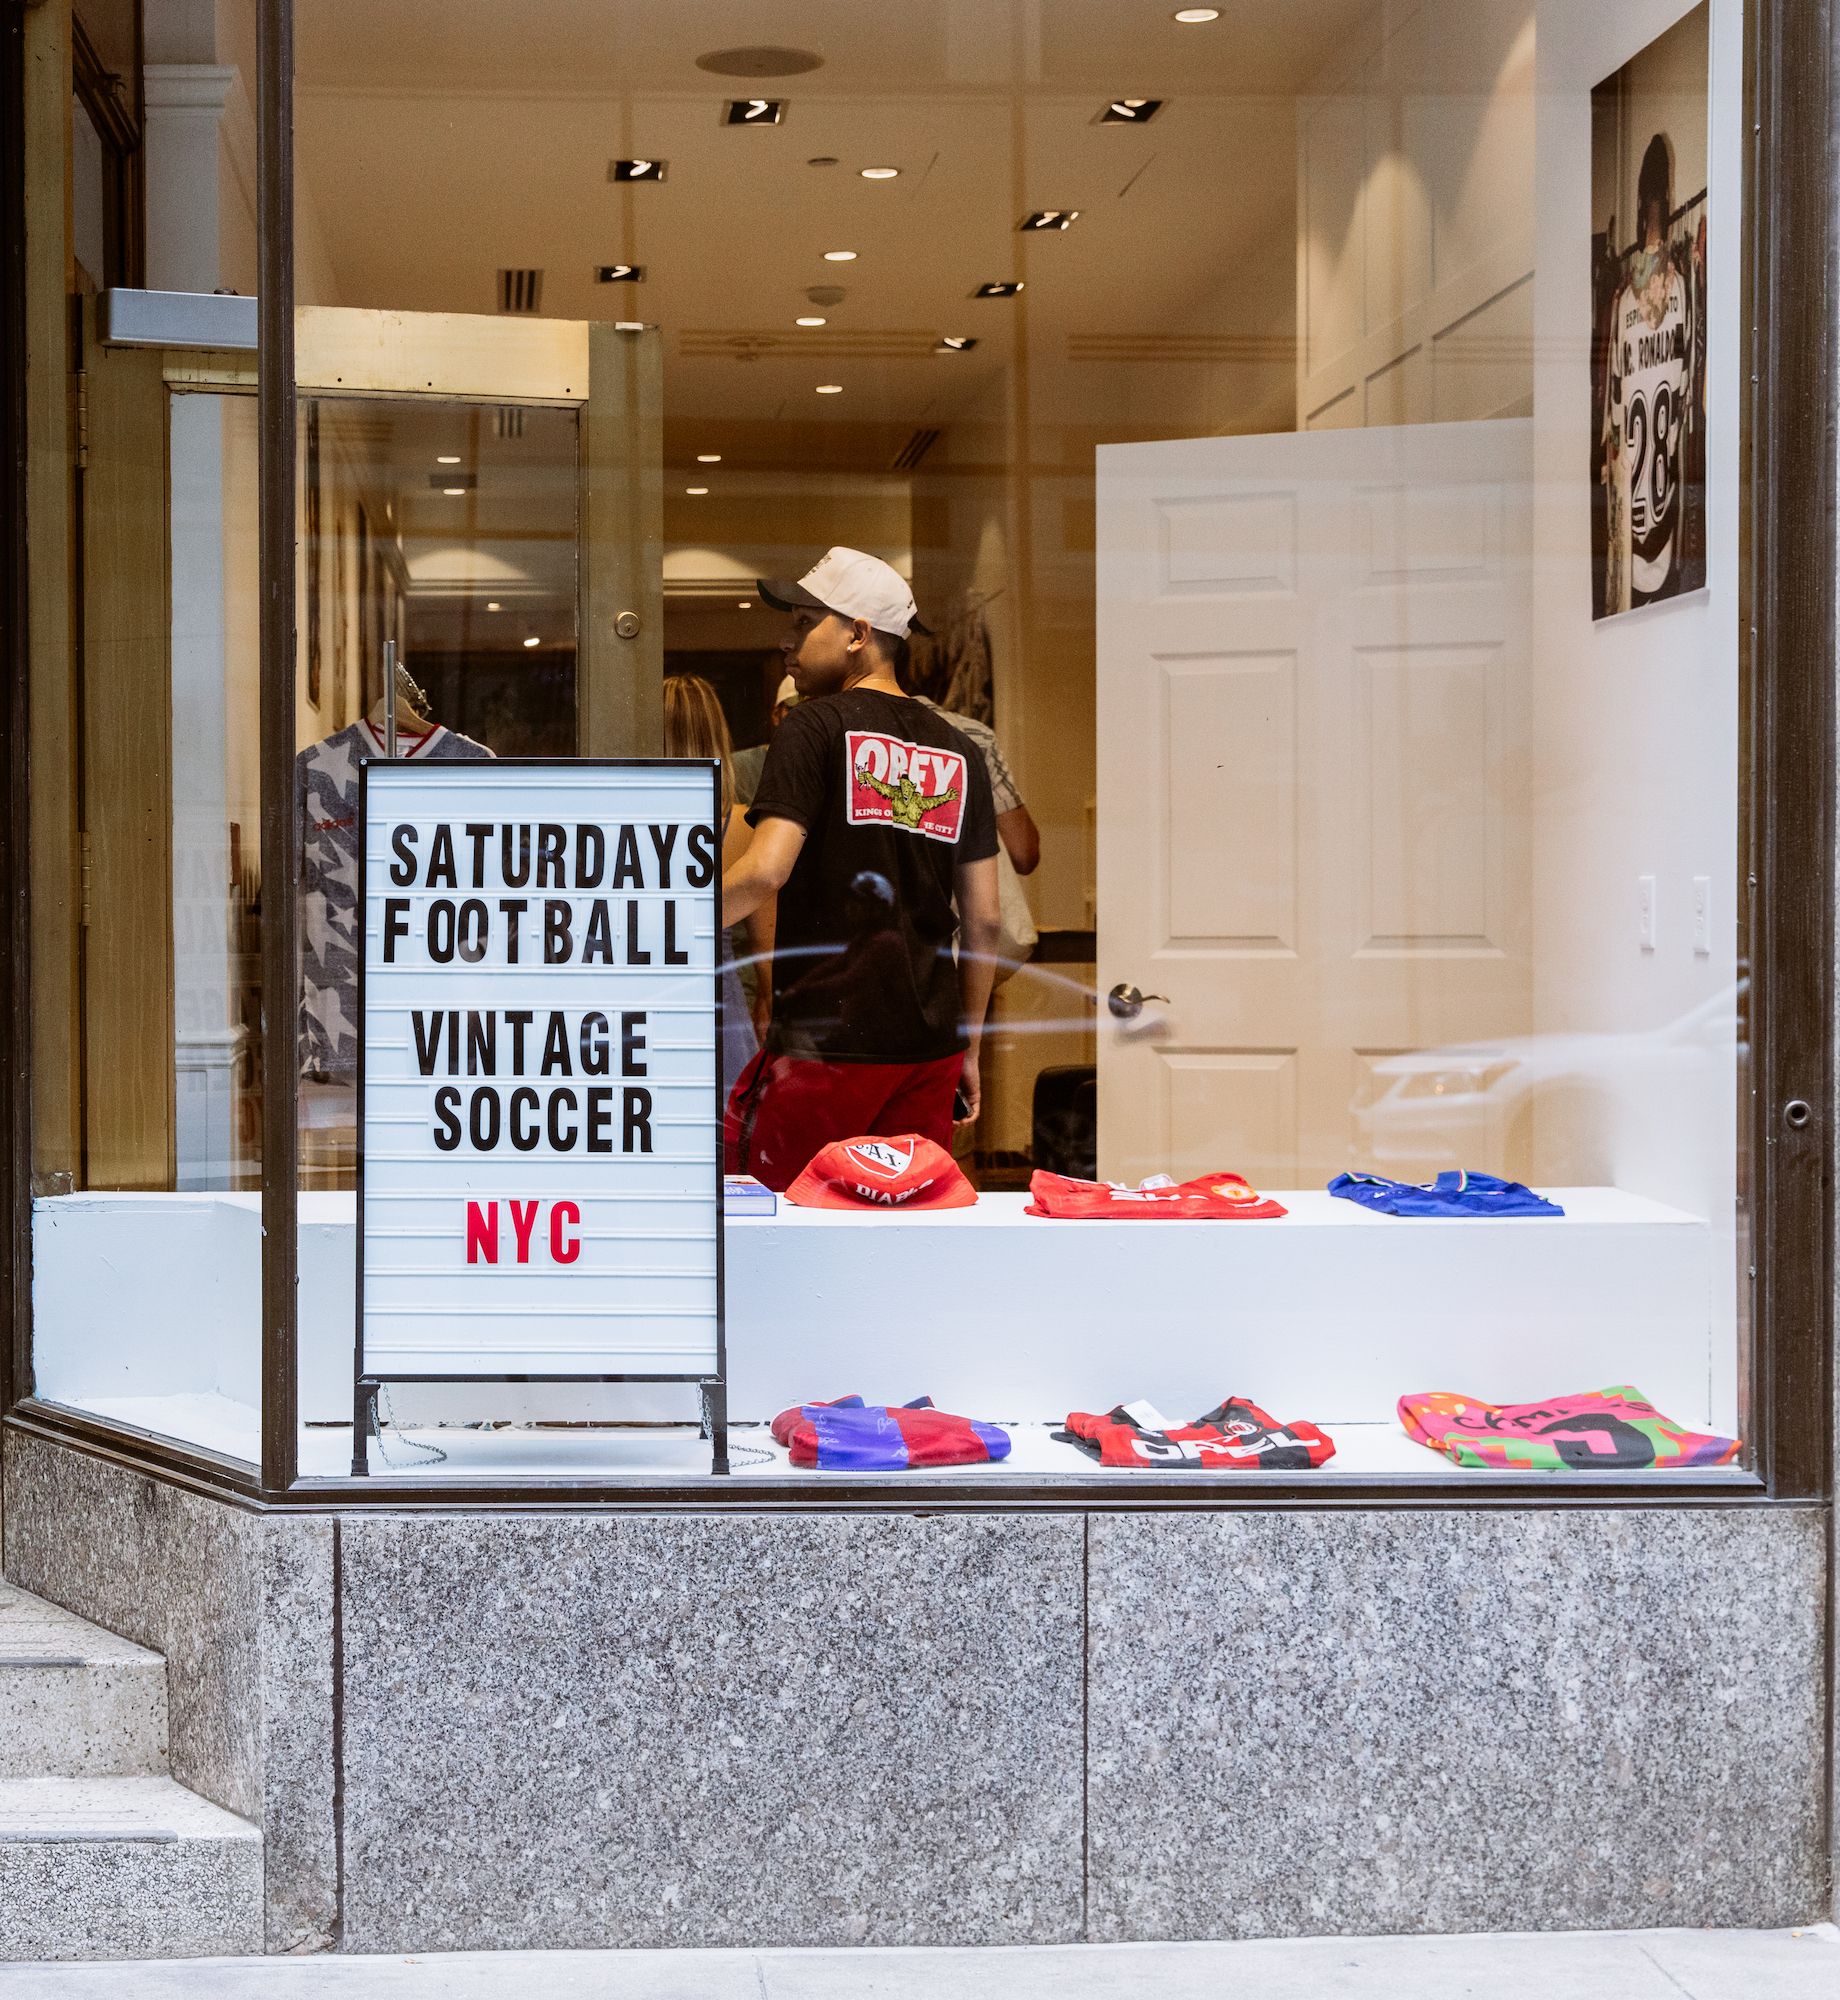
(893, 800)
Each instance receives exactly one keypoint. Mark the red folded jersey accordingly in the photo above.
(851, 1436)
(1236, 1436)
(1209, 1197)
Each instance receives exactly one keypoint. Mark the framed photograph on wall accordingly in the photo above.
(1649, 124)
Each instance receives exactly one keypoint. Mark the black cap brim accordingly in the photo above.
(785, 596)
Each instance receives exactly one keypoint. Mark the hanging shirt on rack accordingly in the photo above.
(326, 808)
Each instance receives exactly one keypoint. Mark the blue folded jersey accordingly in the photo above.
(851, 1436)
(1450, 1194)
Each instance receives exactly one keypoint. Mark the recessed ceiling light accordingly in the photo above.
(810, 319)
(637, 170)
(533, 642)
(696, 491)
(1129, 111)
(619, 274)
(880, 173)
(1192, 17)
(999, 288)
(492, 604)
(450, 490)
(709, 458)
(840, 256)
(955, 343)
(448, 458)
(830, 388)
(1049, 218)
(822, 160)
(744, 604)
(754, 111)
(759, 61)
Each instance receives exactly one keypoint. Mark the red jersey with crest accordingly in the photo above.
(1235, 1436)
(1209, 1197)
(893, 801)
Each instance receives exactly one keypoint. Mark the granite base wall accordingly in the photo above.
(620, 1729)
(241, 1606)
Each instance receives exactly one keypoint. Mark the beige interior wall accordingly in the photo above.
(1414, 269)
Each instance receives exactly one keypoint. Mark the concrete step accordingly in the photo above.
(133, 1867)
(75, 1701)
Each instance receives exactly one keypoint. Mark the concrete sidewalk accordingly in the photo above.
(1609, 1965)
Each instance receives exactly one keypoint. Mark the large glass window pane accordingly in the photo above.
(146, 863)
(1311, 437)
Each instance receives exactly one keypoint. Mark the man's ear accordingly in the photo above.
(860, 628)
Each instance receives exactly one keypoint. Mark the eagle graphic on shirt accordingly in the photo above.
(911, 805)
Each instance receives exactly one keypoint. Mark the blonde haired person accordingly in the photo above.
(694, 726)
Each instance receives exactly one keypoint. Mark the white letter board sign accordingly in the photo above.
(539, 1078)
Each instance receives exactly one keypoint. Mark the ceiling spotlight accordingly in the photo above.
(955, 343)
(830, 388)
(759, 61)
(492, 604)
(619, 274)
(1129, 111)
(840, 256)
(448, 458)
(1049, 218)
(880, 173)
(1192, 17)
(744, 604)
(696, 492)
(533, 641)
(754, 111)
(809, 319)
(452, 490)
(709, 458)
(636, 170)
(999, 288)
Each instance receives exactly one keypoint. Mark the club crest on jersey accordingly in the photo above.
(877, 1156)
(914, 786)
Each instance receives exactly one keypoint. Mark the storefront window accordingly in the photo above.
(146, 866)
(1286, 469)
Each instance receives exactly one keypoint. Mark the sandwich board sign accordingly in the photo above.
(539, 1077)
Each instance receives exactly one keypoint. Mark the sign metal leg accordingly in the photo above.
(715, 1423)
(363, 1423)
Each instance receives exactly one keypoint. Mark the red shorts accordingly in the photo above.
(784, 1109)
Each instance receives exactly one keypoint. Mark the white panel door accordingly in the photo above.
(1312, 839)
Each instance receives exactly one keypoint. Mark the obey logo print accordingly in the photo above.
(877, 1156)
(914, 786)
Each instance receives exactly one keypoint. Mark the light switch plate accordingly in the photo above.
(1702, 916)
(1645, 912)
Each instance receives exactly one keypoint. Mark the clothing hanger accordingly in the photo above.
(413, 716)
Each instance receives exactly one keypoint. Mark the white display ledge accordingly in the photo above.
(1329, 1314)
(1380, 1452)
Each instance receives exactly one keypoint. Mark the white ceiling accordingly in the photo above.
(441, 140)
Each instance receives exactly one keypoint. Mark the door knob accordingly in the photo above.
(1127, 1003)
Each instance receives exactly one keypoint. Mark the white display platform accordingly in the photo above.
(1329, 1314)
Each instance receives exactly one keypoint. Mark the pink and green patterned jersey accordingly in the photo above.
(1602, 1430)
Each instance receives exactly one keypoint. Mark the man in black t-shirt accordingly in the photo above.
(873, 821)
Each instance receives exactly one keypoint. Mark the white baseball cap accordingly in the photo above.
(853, 585)
(787, 694)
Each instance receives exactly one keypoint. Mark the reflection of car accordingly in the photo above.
(1431, 1102)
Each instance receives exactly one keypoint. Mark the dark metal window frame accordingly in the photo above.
(1787, 1120)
